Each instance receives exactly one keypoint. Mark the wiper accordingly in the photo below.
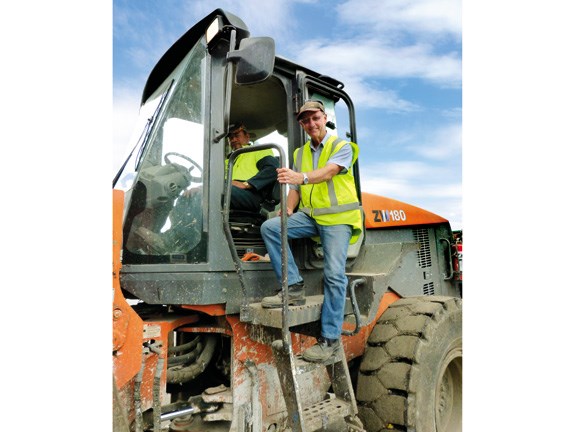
(144, 136)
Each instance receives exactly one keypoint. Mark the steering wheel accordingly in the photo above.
(193, 164)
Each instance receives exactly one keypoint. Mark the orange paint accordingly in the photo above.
(126, 324)
(117, 213)
(354, 346)
(245, 348)
(196, 329)
(382, 212)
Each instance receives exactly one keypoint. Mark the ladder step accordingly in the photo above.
(337, 413)
(328, 414)
(272, 317)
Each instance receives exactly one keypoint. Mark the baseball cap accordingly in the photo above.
(311, 105)
(236, 127)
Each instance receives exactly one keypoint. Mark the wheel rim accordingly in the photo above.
(449, 393)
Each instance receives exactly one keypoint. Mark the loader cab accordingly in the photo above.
(176, 222)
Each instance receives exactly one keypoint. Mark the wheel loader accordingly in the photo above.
(193, 350)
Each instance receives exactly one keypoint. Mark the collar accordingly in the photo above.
(321, 143)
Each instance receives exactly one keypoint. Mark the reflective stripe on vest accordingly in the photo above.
(335, 201)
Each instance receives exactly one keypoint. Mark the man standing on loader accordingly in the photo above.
(322, 187)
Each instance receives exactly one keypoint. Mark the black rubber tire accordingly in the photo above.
(410, 377)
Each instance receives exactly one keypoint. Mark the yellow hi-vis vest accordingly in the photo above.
(245, 164)
(333, 202)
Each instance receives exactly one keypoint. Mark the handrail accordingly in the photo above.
(353, 285)
(226, 214)
(450, 266)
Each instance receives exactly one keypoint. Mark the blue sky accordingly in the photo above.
(401, 62)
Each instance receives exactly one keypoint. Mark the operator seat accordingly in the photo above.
(245, 225)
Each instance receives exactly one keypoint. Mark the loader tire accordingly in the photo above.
(410, 377)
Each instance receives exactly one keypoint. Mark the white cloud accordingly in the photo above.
(410, 192)
(407, 171)
(428, 16)
(368, 96)
(358, 62)
(126, 109)
(389, 39)
(362, 59)
(444, 143)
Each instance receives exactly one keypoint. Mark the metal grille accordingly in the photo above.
(428, 288)
(424, 257)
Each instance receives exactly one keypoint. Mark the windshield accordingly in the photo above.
(163, 179)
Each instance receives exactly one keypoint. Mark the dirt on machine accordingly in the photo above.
(193, 349)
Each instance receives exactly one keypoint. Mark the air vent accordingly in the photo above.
(428, 288)
(424, 258)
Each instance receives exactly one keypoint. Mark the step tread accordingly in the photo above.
(324, 413)
(272, 317)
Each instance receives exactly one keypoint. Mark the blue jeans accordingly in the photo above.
(335, 240)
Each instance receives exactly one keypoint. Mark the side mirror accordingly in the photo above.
(254, 60)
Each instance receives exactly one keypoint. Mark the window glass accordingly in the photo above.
(164, 220)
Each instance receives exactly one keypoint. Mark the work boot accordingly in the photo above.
(295, 297)
(322, 351)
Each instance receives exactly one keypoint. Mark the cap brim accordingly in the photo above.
(304, 112)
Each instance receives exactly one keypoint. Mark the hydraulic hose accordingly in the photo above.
(189, 357)
(184, 347)
(190, 372)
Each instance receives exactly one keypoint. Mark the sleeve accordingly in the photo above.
(266, 173)
(342, 157)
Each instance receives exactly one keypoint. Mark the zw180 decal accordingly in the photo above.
(389, 215)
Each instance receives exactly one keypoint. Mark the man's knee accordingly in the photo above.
(269, 226)
(265, 227)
